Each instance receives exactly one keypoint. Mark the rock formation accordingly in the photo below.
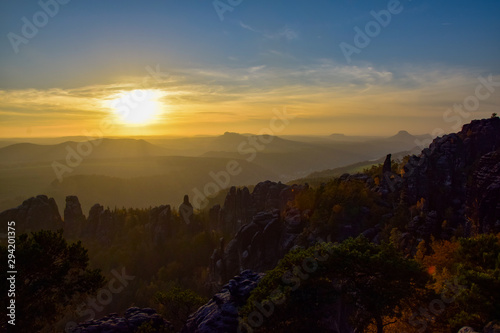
(73, 217)
(160, 224)
(264, 236)
(240, 205)
(34, 214)
(220, 314)
(129, 323)
(444, 175)
(483, 194)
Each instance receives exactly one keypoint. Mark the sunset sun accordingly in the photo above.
(137, 107)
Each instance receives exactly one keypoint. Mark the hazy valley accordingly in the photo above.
(152, 171)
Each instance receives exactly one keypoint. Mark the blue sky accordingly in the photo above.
(285, 50)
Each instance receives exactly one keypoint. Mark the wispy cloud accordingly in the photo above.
(247, 27)
(322, 90)
(284, 33)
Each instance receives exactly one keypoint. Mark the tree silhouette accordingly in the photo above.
(49, 274)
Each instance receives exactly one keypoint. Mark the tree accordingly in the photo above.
(374, 281)
(478, 272)
(50, 275)
(179, 303)
(467, 270)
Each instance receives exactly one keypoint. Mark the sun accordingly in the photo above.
(137, 107)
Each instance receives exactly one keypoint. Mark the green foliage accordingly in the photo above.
(376, 281)
(344, 203)
(474, 264)
(478, 271)
(376, 169)
(51, 274)
(178, 303)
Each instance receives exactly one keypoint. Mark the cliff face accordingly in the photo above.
(451, 176)
(483, 194)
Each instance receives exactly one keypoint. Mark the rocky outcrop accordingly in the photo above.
(240, 206)
(268, 233)
(220, 314)
(100, 224)
(103, 224)
(33, 214)
(129, 323)
(73, 217)
(237, 210)
(440, 174)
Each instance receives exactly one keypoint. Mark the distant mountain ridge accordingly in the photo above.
(102, 148)
(26, 169)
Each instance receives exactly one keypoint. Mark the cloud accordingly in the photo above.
(285, 33)
(247, 27)
(316, 91)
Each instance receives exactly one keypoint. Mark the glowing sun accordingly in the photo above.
(137, 107)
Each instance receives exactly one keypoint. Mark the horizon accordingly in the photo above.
(169, 68)
(166, 136)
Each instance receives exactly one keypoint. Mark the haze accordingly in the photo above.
(217, 68)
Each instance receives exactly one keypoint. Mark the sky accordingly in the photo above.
(172, 67)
